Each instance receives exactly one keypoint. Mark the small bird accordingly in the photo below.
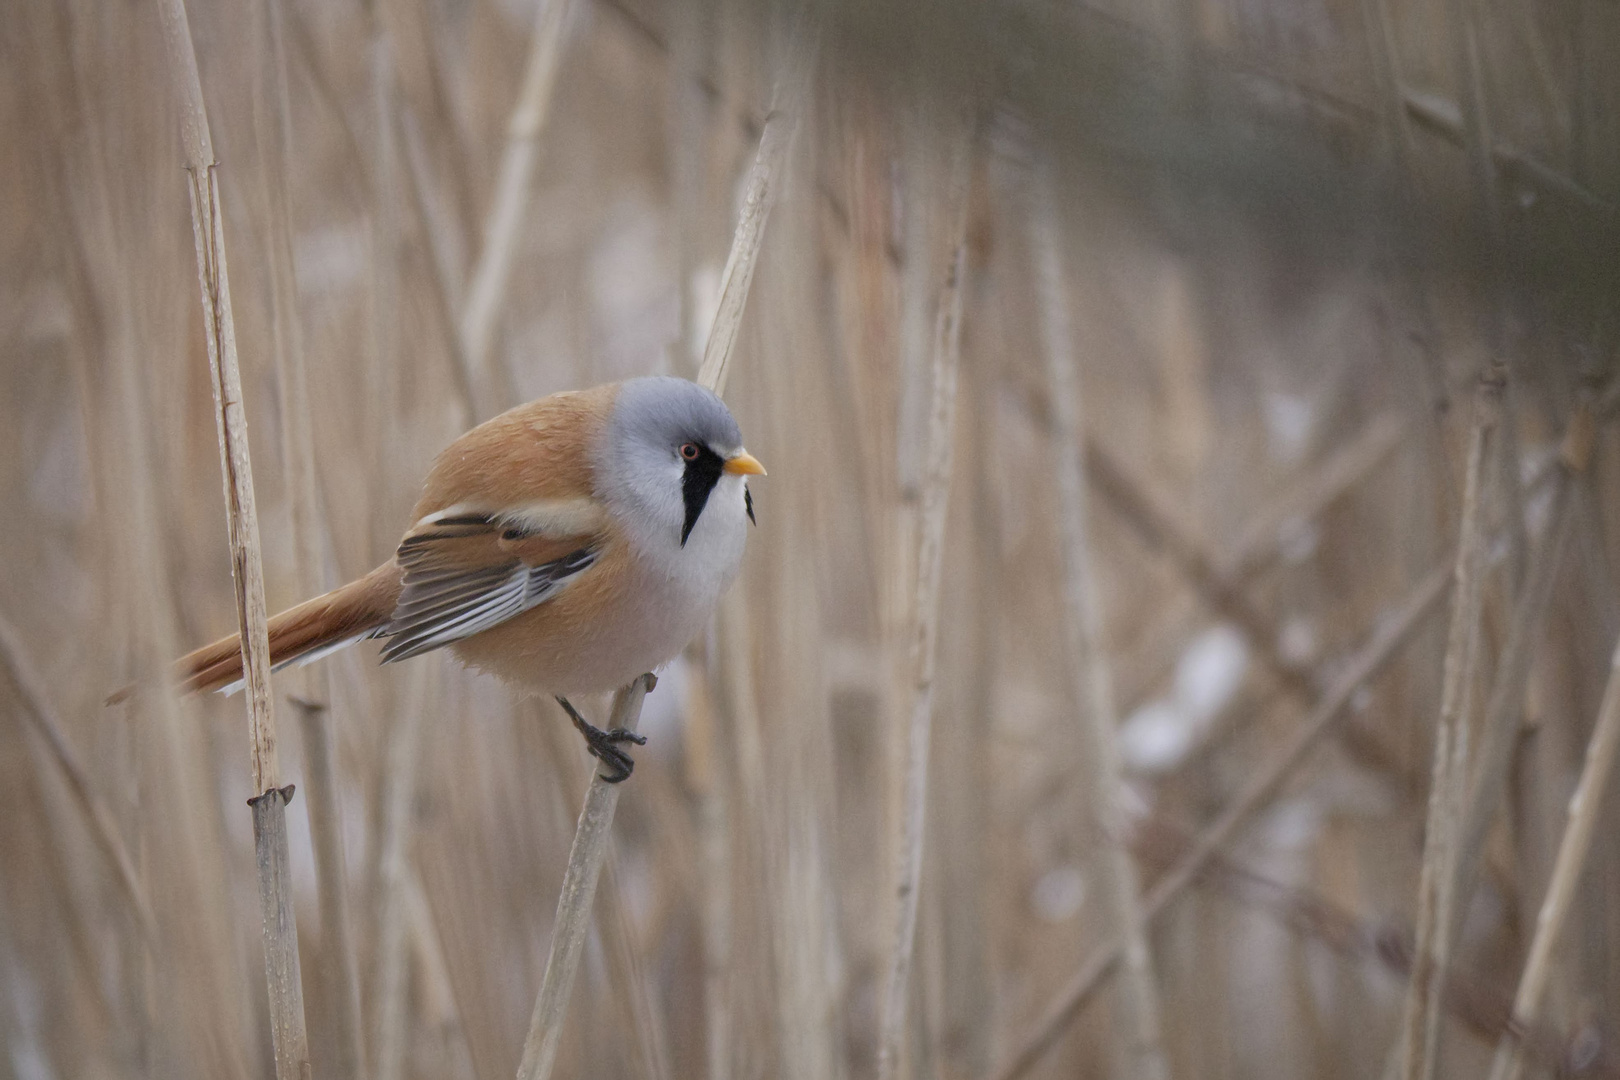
(568, 545)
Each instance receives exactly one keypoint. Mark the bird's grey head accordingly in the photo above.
(668, 444)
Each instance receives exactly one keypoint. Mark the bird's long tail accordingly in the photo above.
(303, 633)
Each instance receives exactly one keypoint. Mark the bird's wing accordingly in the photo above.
(464, 571)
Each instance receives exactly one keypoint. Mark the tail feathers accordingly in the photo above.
(300, 634)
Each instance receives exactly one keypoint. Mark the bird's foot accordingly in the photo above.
(603, 745)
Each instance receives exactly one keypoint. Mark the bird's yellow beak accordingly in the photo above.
(743, 464)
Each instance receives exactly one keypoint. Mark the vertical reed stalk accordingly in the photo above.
(1572, 851)
(311, 688)
(1141, 1045)
(383, 370)
(390, 896)
(1503, 710)
(1448, 791)
(945, 355)
(709, 775)
(288, 1038)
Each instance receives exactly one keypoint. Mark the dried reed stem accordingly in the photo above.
(504, 226)
(946, 353)
(1384, 644)
(390, 896)
(573, 920)
(1572, 851)
(311, 686)
(1140, 1038)
(1500, 727)
(288, 1038)
(709, 776)
(1420, 1029)
(339, 967)
(788, 102)
(36, 706)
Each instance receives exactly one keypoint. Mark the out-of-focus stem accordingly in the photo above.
(1141, 1041)
(30, 691)
(1572, 852)
(764, 177)
(288, 1038)
(504, 226)
(310, 687)
(946, 353)
(1448, 790)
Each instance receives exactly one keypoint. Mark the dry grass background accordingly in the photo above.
(1276, 323)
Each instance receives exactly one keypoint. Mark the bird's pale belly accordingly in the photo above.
(615, 622)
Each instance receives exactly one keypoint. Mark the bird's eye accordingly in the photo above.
(689, 451)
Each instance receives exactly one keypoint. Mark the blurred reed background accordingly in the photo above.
(1276, 595)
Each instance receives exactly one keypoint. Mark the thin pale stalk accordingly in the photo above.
(1499, 730)
(288, 1038)
(383, 370)
(1357, 671)
(573, 921)
(1572, 851)
(30, 691)
(946, 353)
(337, 959)
(709, 776)
(390, 899)
(1141, 1042)
(764, 178)
(504, 226)
(445, 292)
(1448, 789)
(312, 689)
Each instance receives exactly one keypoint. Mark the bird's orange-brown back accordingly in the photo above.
(537, 451)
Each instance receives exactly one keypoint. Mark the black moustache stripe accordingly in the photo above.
(702, 473)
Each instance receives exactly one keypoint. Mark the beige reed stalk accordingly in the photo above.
(389, 1028)
(787, 103)
(289, 1041)
(1140, 1040)
(946, 355)
(1448, 790)
(1572, 851)
(310, 688)
(1499, 728)
(594, 831)
(1359, 669)
(504, 226)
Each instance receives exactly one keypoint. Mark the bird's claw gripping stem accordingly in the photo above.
(603, 745)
